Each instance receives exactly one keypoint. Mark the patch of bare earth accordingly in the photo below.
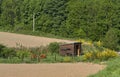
(12, 39)
(49, 70)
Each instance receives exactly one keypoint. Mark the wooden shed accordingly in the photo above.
(72, 49)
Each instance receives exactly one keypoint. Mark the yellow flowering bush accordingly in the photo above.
(81, 40)
(88, 56)
(104, 55)
(99, 55)
(85, 42)
(99, 43)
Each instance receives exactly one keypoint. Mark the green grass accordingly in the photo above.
(55, 58)
(12, 60)
(48, 59)
(112, 69)
(16, 60)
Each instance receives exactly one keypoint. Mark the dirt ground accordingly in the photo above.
(49, 70)
(12, 39)
(42, 70)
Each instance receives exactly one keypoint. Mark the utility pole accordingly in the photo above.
(33, 22)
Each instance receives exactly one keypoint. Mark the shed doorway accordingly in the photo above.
(77, 50)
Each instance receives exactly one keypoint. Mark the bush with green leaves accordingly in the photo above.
(1, 47)
(112, 39)
(6, 52)
(23, 54)
(53, 47)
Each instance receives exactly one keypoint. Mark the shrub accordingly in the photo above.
(112, 39)
(1, 47)
(35, 53)
(7, 52)
(99, 43)
(42, 56)
(1, 50)
(88, 48)
(33, 56)
(104, 55)
(88, 56)
(53, 47)
(22, 54)
(108, 54)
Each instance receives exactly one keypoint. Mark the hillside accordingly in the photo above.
(89, 19)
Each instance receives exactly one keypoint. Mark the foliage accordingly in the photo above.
(104, 55)
(42, 56)
(21, 54)
(6, 52)
(111, 39)
(36, 53)
(87, 47)
(99, 43)
(53, 47)
(1, 47)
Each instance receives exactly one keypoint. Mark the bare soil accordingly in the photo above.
(14, 40)
(49, 70)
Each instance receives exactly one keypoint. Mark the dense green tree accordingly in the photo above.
(0, 11)
(112, 39)
(55, 14)
(8, 15)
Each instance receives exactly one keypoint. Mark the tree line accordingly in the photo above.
(93, 19)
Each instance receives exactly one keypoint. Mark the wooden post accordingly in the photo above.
(33, 22)
(78, 52)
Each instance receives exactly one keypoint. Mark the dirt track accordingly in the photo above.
(49, 70)
(12, 39)
(42, 70)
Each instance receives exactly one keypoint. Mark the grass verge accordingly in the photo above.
(112, 69)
